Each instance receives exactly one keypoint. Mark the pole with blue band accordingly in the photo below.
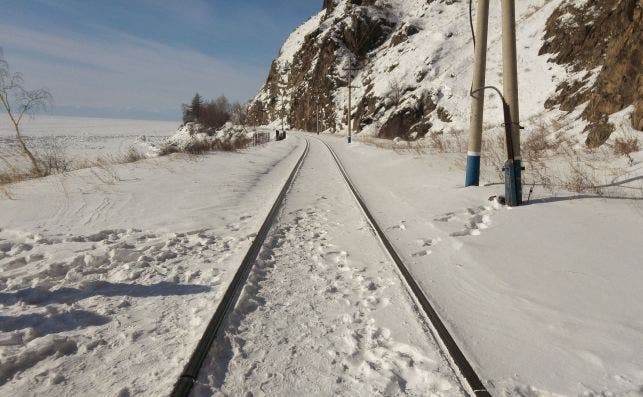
(477, 95)
(513, 168)
(473, 169)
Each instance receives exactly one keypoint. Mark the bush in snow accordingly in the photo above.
(194, 138)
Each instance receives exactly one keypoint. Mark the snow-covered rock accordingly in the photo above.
(195, 133)
(414, 66)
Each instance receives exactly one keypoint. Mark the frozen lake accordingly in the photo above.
(84, 136)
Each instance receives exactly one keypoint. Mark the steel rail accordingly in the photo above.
(186, 381)
(476, 387)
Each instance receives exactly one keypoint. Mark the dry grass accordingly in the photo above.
(495, 153)
(132, 156)
(451, 141)
(536, 144)
(626, 146)
(437, 142)
(53, 160)
(553, 160)
(209, 145)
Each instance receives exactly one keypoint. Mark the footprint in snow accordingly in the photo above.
(422, 253)
(424, 242)
(446, 217)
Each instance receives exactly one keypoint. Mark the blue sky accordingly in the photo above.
(142, 58)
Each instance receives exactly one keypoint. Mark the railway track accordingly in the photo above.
(190, 373)
(468, 377)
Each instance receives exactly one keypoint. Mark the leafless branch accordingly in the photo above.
(13, 93)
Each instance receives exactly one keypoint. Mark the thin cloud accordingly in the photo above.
(124, 71)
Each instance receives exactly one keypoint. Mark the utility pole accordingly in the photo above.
(477, 94)
(513, 167)
(316, 92)
(282, 100)
(350, 70)
(317, 117)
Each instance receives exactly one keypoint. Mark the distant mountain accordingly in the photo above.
(414, 65)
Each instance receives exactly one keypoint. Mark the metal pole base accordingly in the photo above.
(513, 183)
(473, 170)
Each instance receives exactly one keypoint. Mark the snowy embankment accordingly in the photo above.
(546, 298)
(109, 275)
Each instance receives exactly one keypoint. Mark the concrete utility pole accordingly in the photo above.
(513, 168)
(282, 99)
(316, 111)
(317, 117)
(477, 94)
(350, 70)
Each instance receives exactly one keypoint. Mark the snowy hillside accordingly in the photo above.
(414, 61)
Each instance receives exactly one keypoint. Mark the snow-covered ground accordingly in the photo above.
(109, 276)
(325, 311)
(545, 299)
(84, 138)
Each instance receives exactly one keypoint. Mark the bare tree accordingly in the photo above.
(395, 92)
(239, 113)
(18, 102)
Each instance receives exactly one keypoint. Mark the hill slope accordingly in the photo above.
(414, 61)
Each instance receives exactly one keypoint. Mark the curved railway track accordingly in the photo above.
(470, 380)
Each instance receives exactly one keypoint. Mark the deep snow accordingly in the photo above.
(325, 311)
(544, 298)
(109, 275)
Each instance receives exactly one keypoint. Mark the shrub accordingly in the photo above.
(200, 147)
(54, 161)
(626, 146)
(536, 144)
(132, 156)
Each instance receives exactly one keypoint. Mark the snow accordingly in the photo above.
(543, 298)
(324, 311)
(296, 39)
(84, 137)
(443, 51)
(109, 276)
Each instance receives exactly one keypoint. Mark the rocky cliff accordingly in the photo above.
(413, 61)
(599, 43)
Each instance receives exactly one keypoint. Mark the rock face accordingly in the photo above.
(413, 62)
(600, 41)
(308, 83)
